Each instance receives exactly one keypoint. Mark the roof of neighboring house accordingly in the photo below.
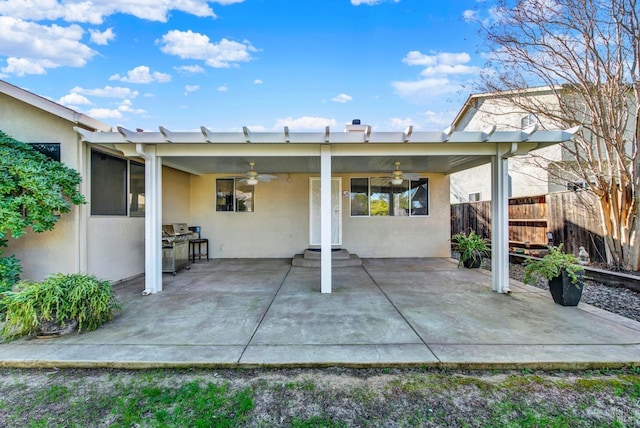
(470, 102)
(53, 108)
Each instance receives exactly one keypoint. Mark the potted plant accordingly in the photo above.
(564, 273)
(58, 305)
(472, 248)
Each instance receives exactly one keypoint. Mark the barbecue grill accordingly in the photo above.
(175, 247)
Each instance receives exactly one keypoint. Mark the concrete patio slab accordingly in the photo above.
(387, 312)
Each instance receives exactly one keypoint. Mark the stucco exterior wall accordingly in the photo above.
(115, 247)
(109, 247)
(382, 237)
(176, 207)
(279, 227)
(41, 254)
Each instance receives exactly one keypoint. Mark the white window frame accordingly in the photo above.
(405, 183)
(476, 198)
(127, 189)
(235, 199)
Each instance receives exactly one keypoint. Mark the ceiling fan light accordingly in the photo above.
(252, 181)
(396, 181)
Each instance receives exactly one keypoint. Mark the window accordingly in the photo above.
(112, 180)
(528, 120)
(136, 189)
(378, 197)
(50, 150)
(234, 195)
(474, 197)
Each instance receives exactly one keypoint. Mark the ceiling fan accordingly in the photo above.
(398, 176)
(252, 177)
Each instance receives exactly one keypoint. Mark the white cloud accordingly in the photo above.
(190, 45)
(33, 48)
(425, 88)
(428, 120)
(399, 123)
(142, 74)
(443, 69)
(191, 88)
(106, 92)
(370, 2)
(104, 113)
(342, 98)
(102, 37)
(22, 66)
(189, 69)
(470, 15)
(305, 123)
(95, 11)
(74, 99)
(442, 58)
(442, 74)
(258, 82)
(222, 88)
(79, 96)
(126, 106)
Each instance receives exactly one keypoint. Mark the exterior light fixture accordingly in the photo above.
(396, 181)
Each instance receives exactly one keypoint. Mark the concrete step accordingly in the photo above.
(300, 261)
(335, 255)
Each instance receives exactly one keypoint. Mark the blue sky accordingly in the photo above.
(259, 63)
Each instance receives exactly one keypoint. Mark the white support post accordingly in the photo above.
(500, 220)
(325, 219)
(153, 219)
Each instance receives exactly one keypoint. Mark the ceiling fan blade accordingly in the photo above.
(265, 177)
(411, 176)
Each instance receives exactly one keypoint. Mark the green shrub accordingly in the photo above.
(472, 247)
(552, 265)
(62, 298)
(10, 271)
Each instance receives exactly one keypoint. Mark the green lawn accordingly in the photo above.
(319, 398)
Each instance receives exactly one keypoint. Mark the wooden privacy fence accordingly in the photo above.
(536, 221)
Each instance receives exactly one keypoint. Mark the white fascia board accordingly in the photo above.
(231, 150)
(307, 137)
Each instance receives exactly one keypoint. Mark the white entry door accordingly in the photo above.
(314, 211)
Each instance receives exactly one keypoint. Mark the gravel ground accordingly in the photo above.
(618, 300)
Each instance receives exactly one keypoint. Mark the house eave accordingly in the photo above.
(51, 107)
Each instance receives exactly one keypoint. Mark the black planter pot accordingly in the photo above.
(564, 292)
(472, 263)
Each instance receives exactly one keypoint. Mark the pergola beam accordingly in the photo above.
(206, 136)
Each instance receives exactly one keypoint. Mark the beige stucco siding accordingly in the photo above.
(115, 247)
(279, 227)
(426, 236)
(111, 248)
(41, 254)
(175, 196)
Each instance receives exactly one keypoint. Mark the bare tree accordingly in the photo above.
(588, 53)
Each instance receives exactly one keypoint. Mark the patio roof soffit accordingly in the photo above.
(534, 137)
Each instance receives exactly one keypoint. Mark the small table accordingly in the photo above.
(199, 254)
(197, 241)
